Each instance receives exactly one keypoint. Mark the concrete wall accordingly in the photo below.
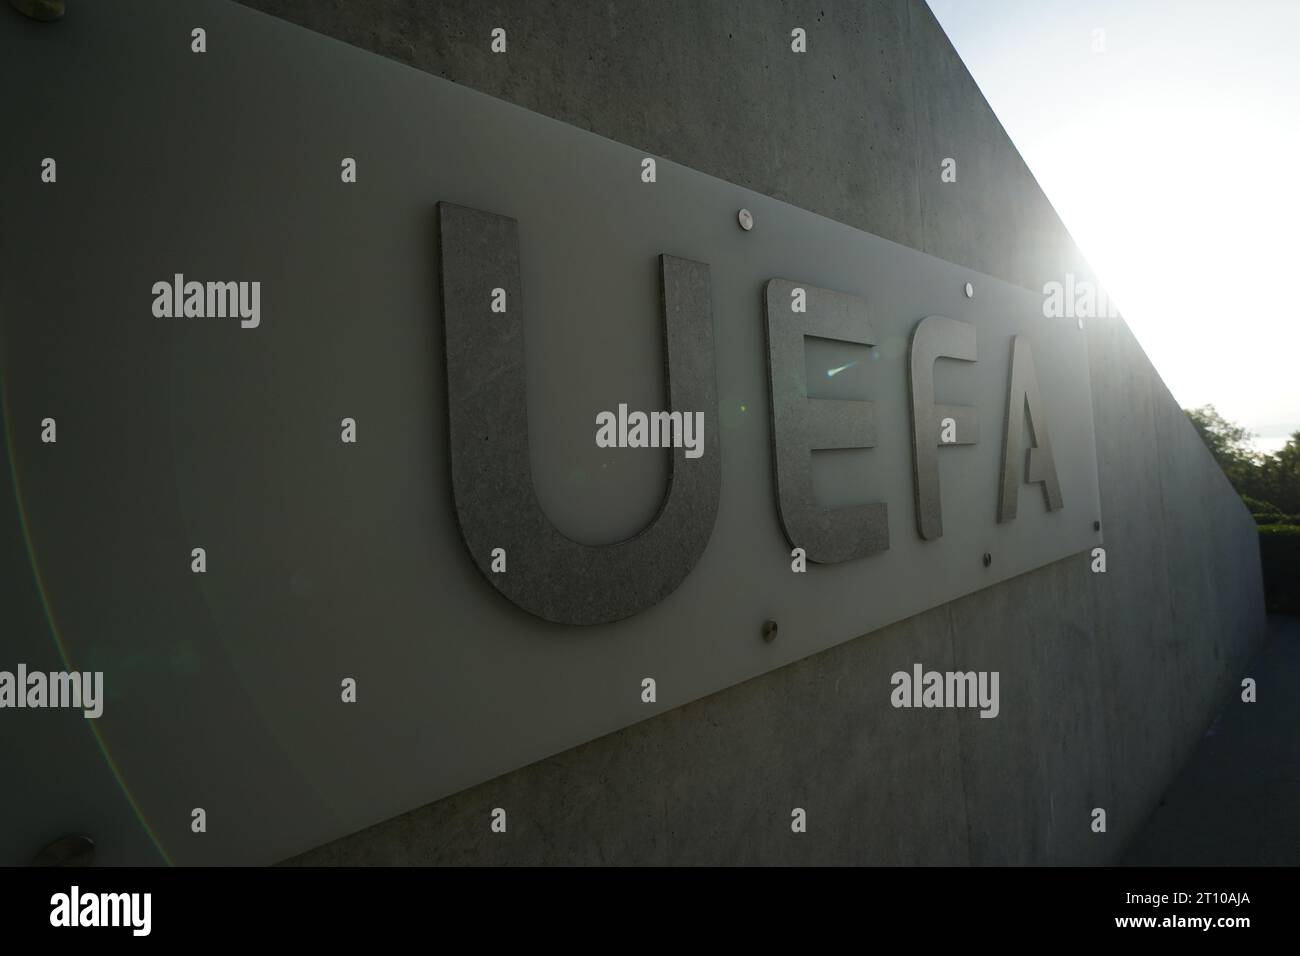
(1107, 680)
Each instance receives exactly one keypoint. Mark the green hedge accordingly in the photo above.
(1265, 512)
(1275, 518)
(1279, 552)
(1260, 507)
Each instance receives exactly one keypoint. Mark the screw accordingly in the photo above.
(43, 10)
(988, 559)
(1096, 526)
(67, 851)
(769, 631)
(970, 291)
(746, 219)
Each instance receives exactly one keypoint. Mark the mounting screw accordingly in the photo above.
(970, 291)
(769, 631)
(746, 219)
(43, 10)
(1096, 526)
(67, 851)
(988, 559)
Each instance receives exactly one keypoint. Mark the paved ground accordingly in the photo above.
(1237, 802)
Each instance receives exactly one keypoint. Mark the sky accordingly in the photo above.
(1169, 144)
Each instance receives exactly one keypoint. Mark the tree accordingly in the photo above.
(1229, 443)
(1279, 476)
(1270, 486)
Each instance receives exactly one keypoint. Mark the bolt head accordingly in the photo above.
(1096, 526)
(769, 631)
(746, 219)
(969, 290)
(74, 850)
(43, 10)
(988, 559)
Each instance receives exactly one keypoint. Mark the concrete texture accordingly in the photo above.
(1234, 802)
(855, 129)
(1108, 680)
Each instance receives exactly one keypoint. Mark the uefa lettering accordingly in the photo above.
(489, 430)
